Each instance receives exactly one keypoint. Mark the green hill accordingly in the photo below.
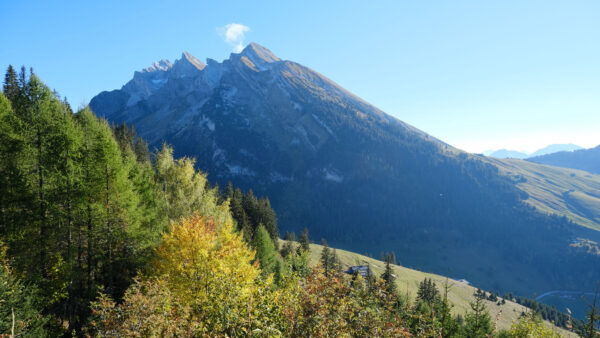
(460, 294)
(554, 190)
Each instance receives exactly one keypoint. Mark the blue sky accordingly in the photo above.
(477, 74)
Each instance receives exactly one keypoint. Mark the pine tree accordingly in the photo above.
(11, 87)
(305, 240)
(228, 193)
(265, 250)
(450, 326)
(288, 246)
(428, 292)
(21, 307)
(478, 322)
(325, 257)
(239, 214)
(592, 319)
(13, 187)
(388, 276)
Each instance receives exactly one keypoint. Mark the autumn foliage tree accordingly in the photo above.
(203, 272)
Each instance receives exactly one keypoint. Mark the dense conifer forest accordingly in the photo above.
(100, 236)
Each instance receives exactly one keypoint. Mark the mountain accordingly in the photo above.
(503, 153)
(584, 159)
(554, 148)
(363, 179)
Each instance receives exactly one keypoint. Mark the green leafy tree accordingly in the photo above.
(531, 325)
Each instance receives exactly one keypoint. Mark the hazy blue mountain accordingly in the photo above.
(584, 159)
(362, 179)
(554, 148)
(503, 153)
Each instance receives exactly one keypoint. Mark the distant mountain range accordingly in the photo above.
(356, 176)
(553, 148)
(584, 159)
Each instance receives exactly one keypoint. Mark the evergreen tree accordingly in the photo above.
(428, 292)
(288, 246)
(267, 217)
(388, 277)
(11, 87)
(336, 264)
(228, 193)
(239, 214)
(265, 250)
(14, 194)
(20, 305)
(478, 322)
(450, 326)
(592, 320)
(183, 189)
(325, 257)
(305, 240)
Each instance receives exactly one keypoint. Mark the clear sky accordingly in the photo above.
(476, 74)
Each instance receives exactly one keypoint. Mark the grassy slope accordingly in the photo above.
(408, 281)
(561, 191)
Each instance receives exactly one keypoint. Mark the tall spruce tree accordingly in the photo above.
(305, 240)
(265, 250)
(325, 257)
(478, 322)
(592, 319)
(11, 88)
(388, 276)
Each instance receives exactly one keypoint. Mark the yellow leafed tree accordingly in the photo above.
(207, 265)
(202, 282)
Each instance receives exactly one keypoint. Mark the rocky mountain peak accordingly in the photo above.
(187, 65)
(256, 52)
(187, 57)
(256, 56)
(162, 65)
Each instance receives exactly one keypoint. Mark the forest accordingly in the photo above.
(101, 236)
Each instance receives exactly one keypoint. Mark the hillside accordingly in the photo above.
(584, 159)
(460, 294)
(560, 191)
(349, 172)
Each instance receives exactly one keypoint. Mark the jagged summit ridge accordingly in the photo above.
(162, 65)
(247, 76)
